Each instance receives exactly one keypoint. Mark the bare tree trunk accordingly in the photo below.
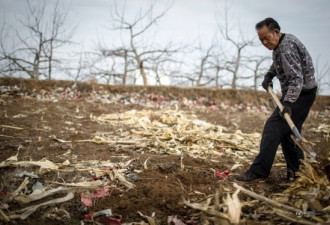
(125, 67)
(200, 74)
(255, 83)
(50, 60)
(138, 59)
(35, 73)
(237, 64)
(37, 58)
(256, 75)
(217, 77)
(202, 69)
(143, 74)
(157, 77)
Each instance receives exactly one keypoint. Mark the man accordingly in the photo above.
(293, 66)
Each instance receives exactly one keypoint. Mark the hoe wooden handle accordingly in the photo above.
(286, 115)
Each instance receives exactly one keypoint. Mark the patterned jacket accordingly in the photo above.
(293, 66)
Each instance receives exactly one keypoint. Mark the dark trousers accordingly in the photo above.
(277, 131)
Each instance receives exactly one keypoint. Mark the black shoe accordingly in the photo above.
(290, 175)
(249, 178)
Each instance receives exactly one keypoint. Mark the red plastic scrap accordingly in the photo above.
(87, 199)
(104, 219)
(221, 175)
(88, 216)
(192, 222)
(3, 193)
(223, 150)
(176, 221)
(97, 177)
(108, 221)
(101, 192)
(213, 107)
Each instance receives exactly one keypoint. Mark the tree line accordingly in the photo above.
(31, 48)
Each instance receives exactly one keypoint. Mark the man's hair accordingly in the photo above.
(270, 23)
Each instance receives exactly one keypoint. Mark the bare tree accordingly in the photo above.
(33, 43)
(180, 72)
(237, 42)
(60, 34)
(161, 67)
(142, 55)
(78, 65)
(108, 67)
(197, 62)
(256, 65)
(322, 75)
(126, 63)
(219, 64)
(204, 65)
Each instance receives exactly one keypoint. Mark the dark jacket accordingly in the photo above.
(293, 66)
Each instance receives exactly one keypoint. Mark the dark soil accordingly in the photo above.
(162, 186)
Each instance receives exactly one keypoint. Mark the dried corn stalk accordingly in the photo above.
(227, 212)
(176, 132)
(322, 128)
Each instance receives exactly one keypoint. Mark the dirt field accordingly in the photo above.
(159, 188)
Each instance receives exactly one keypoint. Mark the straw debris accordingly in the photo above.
(175, 132)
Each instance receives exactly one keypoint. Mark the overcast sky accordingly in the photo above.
(190, 20)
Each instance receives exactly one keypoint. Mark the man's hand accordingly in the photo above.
(286, 109)
(267, 82)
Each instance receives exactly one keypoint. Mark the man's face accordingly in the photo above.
(269, 39)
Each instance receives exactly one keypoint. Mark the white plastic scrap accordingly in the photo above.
(26, 212)
(28, 174)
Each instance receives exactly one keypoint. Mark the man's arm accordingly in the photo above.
(291, 63)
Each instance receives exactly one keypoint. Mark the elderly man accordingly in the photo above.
(293, 66)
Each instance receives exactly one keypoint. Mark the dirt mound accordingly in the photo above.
(215, 96)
